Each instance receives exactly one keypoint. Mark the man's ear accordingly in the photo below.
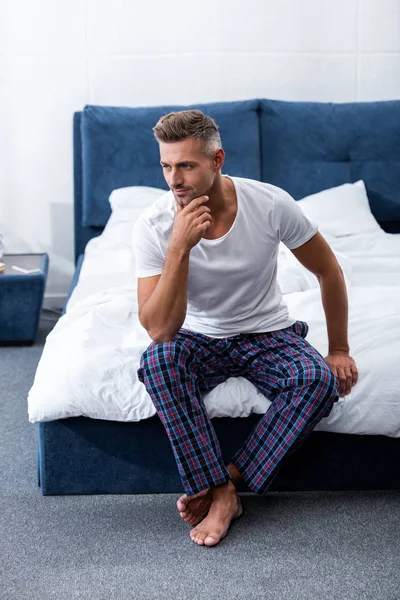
(219, 159)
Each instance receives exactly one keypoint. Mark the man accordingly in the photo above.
(206, 255)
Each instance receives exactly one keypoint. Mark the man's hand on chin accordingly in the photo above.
(344, 368)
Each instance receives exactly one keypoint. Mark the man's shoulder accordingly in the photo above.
(259, 186)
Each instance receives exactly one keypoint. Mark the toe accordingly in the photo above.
(182, 503)
(195, 534)
(198, 540)
(198, 536)
(211, 541)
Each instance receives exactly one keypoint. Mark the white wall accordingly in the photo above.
(56, 56)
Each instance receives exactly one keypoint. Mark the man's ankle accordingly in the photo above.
(235, 474)
(224, 489)
(229, 486)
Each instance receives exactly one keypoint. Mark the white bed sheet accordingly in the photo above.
(89, 363)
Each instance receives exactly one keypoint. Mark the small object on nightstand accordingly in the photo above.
(26, 271)
(2, 267)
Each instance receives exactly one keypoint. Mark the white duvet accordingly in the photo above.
(89, 362)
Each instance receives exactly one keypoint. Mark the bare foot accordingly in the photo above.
(194, 508)
(216, 524)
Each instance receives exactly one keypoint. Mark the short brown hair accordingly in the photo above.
(177, 126)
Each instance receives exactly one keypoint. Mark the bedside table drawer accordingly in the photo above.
(21, 297)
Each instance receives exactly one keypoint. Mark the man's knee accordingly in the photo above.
(165, 357)
(167, 352)
(322, 381)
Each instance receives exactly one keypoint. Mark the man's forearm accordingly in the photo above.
(163, 314)
(335, 303)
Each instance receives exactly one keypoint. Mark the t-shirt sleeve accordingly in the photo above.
(292, 226)
(149, 260)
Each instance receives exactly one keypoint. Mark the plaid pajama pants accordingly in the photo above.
(281, 364)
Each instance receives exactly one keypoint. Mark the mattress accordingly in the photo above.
(89, 362)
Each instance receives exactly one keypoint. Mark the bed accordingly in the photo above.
(98, 431)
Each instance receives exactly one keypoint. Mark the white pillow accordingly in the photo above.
(341, 211)
(126, 206)
(135, 198)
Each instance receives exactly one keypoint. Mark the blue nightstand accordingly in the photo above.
(21, 297)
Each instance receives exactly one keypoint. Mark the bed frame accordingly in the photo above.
(87, 456)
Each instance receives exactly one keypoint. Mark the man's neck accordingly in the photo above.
(222, 197)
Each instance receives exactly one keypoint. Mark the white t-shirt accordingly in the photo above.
(232, 285)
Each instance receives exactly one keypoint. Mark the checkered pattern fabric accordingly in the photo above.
(281, 364)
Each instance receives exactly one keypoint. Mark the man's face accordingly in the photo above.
(187, 170)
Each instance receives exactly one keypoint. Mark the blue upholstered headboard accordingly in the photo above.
(303, 147)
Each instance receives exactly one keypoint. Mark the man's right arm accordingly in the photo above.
(162, 298)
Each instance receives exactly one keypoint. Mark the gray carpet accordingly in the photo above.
(288, 546)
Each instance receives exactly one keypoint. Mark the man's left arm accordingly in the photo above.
(317, 256)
